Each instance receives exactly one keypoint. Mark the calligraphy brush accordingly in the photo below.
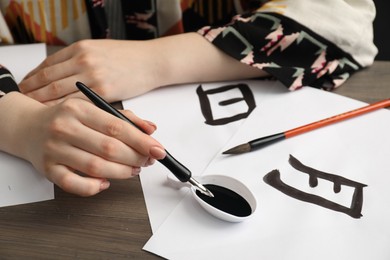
(263, 141)
(178, 169)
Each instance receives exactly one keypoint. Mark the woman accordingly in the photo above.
(316, 43)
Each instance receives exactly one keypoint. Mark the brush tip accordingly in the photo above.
(242, 148)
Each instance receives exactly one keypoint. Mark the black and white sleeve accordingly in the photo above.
(7, 82)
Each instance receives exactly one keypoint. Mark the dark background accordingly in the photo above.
(381, 29)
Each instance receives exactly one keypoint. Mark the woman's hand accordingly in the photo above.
(114, 69)
(75, 144)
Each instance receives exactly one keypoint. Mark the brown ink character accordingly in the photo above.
(245, 96)
(273, 179)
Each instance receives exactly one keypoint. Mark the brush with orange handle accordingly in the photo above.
(263, 141)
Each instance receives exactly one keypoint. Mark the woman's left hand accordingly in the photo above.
(114, 69)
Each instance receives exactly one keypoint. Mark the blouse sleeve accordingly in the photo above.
(305, 43)
(7, 82)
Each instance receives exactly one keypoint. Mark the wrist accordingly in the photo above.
(174, 62)
(17, 114)
(159, 63)
(142, 66)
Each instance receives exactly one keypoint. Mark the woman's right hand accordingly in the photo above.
(78, 146)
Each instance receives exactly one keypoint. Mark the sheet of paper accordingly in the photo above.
(285, 227)
(19, 182)
(177, 111)
(21, 59)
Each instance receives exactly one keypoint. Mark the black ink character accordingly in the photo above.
(247, 97)
(273, 179)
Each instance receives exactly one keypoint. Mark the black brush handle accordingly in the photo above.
(267, 140)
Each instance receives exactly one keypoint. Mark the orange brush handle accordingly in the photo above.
(337, 118)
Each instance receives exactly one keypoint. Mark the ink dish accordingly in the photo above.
(232, 200)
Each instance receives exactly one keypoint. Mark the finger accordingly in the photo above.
(106, 156)
(106, 144)
(77, 95)
(74, 95)
(76, 184)
(52, 92)
(85, 135)
(119, 129)
(55, 90)
(98, 132)
(147, 126)
(49, 76)
(91, 164)
(57, 57)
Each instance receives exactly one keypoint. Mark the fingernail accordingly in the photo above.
(157, 152)
(149, 162)
(104, 185)
(151, 124)
(136, 171)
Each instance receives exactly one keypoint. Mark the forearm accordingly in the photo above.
(123, 69)
(190, 58)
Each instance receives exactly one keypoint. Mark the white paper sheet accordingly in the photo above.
(19, 182)
(183, 132)
(284, 227)
(21, 59)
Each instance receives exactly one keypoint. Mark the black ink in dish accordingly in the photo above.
(226, 200)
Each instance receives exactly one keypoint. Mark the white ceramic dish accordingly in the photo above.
(231, 184)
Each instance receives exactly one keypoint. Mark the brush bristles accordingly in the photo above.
(242, 148)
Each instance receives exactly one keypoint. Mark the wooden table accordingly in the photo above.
(369, 85)
(114, 224)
